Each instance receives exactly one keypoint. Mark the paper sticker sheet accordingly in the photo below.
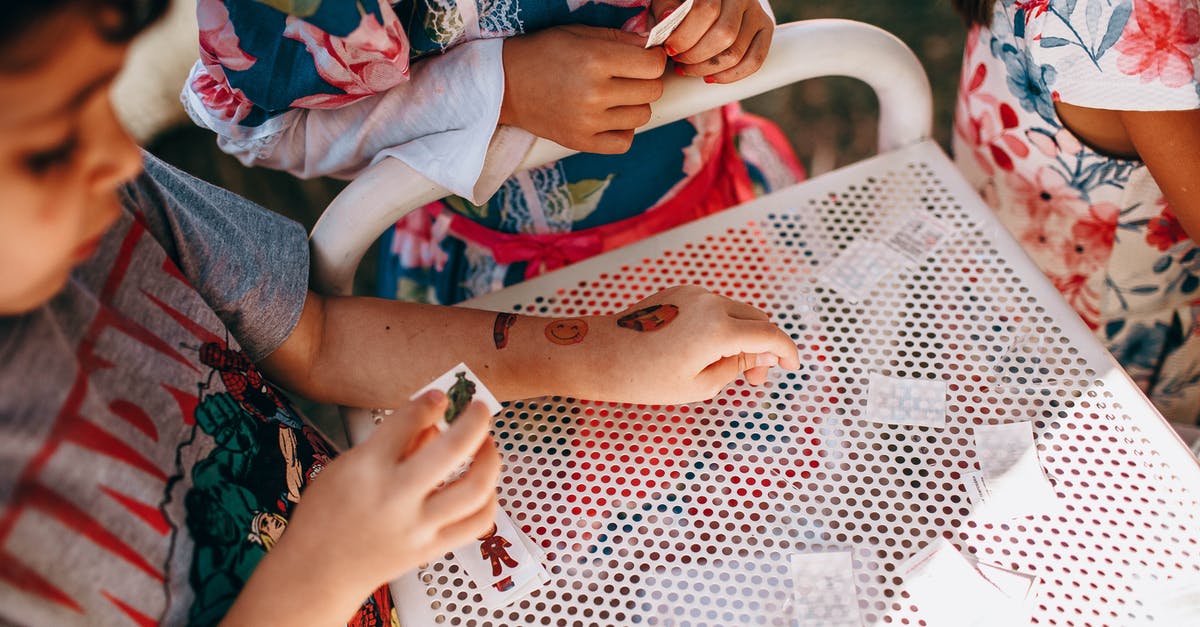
(824, 594)
(866, 262)
(503, 564)
(951, 592)
(906, 401)
(663, 29)
(1010, 481)
(462, 386)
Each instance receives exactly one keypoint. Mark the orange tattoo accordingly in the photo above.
(566, 332)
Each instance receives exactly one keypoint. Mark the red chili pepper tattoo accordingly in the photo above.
(651, 318)
(504, 322)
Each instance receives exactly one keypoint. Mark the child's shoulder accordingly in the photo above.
(1121, 55)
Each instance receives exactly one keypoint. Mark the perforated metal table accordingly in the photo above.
(688, 515)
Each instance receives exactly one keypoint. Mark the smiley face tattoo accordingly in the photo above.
(567, 331)
(650, 318)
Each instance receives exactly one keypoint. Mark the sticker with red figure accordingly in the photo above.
(504, 564)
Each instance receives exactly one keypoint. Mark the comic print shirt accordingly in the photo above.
(145, 464)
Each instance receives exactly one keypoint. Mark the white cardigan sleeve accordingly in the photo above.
(441, 123)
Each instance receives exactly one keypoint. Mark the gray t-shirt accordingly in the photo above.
(145, 465)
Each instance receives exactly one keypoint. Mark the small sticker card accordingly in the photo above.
(858, 269)
(918, 237)
(823, 590)
(906, 401)
(663, 29)
(462, 386)
(949, 591)
(503, 563)
(1010, 481)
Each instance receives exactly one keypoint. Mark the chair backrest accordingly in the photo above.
(389, 190)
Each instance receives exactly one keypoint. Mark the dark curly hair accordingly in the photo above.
(976, 11)
(118, 20)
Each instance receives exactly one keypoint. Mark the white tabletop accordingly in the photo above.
(690, 515)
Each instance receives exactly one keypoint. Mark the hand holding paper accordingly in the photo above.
(721, 40)
(376, 511)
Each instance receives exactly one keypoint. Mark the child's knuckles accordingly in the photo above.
(706, 11)
(724, 35)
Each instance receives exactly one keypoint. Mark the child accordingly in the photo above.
(151, 472)
(1079, 123)
(328, 91)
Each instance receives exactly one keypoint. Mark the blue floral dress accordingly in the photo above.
(1098, 226)
(264, 59)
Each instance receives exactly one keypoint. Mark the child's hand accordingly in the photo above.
(583, 87)
(376, 512)
(688, 349)
(721, 40)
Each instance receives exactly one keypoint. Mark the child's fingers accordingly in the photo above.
(471, 491)
(633, 91)
(756, 375)
(759, 337)
(745, 311)
(719, 37)
(447, 452)
(469, 528)
(703, 15)
(727, 369)
(635, 62)
(751, 59)
(614, 35)
(395, 436)
(611, 142)
(626, 117)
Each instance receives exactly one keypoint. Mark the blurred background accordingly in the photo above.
(831, 122)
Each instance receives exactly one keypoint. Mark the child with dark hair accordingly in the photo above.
(1079, 121)
(150, 470)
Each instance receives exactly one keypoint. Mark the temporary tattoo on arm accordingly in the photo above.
(567, 331)
(504, 322)
(651, 318)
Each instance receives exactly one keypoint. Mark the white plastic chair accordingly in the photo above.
(389, 190)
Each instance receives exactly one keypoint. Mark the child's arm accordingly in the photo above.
(375, 353)
(722, 41)
(374, 513)
(1169, 143)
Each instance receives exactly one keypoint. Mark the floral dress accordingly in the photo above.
(276, 76)
(1098, 226)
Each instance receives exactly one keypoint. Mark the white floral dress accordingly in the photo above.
(1098, 226)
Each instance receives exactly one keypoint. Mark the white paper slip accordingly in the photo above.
(824, 594)
(859, 268)
(1175, 600)
(663, 29)
(918, 237)
(503, 564)
(1015, 585)
(462, 386)
(1010, 481)
(949, 592)
(906, 401)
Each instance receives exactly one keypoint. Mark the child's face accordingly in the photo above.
(62, 157)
